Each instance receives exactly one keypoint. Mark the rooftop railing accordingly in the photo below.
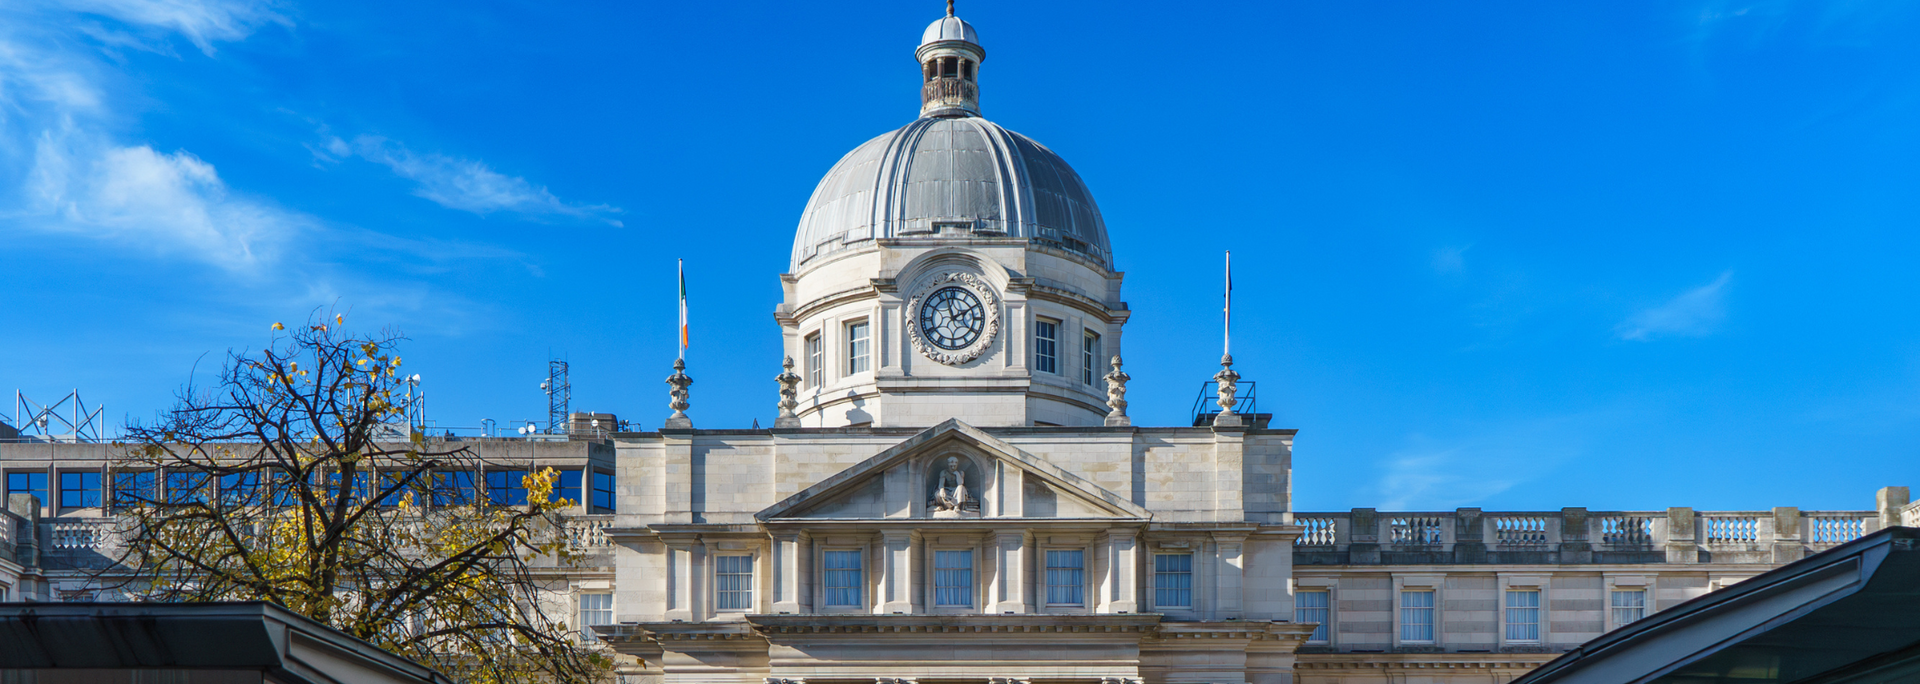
(1575, 535)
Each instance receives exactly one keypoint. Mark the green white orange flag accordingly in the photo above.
(683, 308)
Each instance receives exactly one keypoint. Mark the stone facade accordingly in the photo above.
(954, 493)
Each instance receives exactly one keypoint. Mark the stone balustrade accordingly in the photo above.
(1910, 516)
(1364, 536)
(588, 532)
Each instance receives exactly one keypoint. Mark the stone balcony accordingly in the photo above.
(1573, 536)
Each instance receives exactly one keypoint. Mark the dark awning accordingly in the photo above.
(283, 646)
(1850, 614)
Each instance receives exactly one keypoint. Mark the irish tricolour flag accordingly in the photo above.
(683, 308)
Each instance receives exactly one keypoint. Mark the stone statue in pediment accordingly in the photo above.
(950, 496)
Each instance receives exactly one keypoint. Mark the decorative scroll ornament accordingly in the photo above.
(679, 404)
(789, 390)
(953, 317)
(1117, 395)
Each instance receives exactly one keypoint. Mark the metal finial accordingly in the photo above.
(949, 8)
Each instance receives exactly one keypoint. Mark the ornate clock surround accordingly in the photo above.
(989, 328)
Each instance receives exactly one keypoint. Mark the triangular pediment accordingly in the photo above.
(900, 483)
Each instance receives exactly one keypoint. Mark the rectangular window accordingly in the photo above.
(815, 360)
(34, 483)
(239, 489)
(1066, 577)
(953, 579)
(603, 492)
(1523, 615)
(285, 491)
(453, 488)
(733, 582)
(1173, 580)
(843, 578)
(1416, 616)
(1310, 608)
(595, 609)
(337, 485)
(568, 487)
(507, 487)
(131, 488)
(1046, 349)
(1089, 357)
(79, 490)
(184, 487)
(1629, 605)
(857, 344)
(390, 491)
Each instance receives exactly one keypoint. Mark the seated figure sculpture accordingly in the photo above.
(950, 497)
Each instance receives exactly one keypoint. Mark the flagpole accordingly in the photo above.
(1226, 331)
(683, 308)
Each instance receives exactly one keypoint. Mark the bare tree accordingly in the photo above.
(298, 478)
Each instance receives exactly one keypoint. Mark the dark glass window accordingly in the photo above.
(390, 480)
(603, 491)
(239, 489)
(28, 483)
(966, 69)
(568, 487)
(507, 487)
(453, 488)
(133, 488)
(184, 487)
(79, 490)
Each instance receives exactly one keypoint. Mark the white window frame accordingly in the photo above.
(1157, 553)
(752, 574)
(1640, 583)
(1325, 630)
(859, 349)
(1509, 612)
(862, 599)
(1046, 347)
(1090, 357)
(1331, 587)
(813, 351)
(972, 555)
(1537, 583)
(1427, 583)
(1046, 580)
(581, 611)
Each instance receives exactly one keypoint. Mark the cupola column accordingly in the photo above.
(950, 57)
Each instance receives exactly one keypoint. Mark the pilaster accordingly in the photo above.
(1229, 461)
(900, 551)
(1013, 572)
(1230, 574)
(792, 572)
(686, 563)
(1118, 586)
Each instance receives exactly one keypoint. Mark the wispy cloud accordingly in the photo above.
(202, 22)
(464, 184)
(1450, 260)
(1436, 480)
(68, 171)
(1695, 313)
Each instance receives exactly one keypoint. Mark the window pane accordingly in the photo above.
(953, 578)
(1066, 577)
(1045, 354)
(1173, 580)
(186, 487)
(1523, 615)
(1416, 616)
(857, 348)
(80, 490)
(595, 609)
(1089, 358)
(568, 487)
(813, 360)
(733, 582)
(843, 578)
(239, 489)
(1310, 607)
(131, 488)
(603, 491)
(28, 483)
(453, 488)
(507, 487)
(1629, 606)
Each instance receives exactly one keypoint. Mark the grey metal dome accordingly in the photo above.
(947, 174)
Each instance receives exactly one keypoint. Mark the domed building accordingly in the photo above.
(952, 269)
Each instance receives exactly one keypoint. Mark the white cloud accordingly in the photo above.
(465, 184)
(1437, 480)
(203, 22)
(1695, 313)
(152, 201)
(70, 174)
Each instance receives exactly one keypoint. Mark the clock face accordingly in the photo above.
(952, 318)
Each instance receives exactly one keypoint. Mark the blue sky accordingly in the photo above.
(1508, 255)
